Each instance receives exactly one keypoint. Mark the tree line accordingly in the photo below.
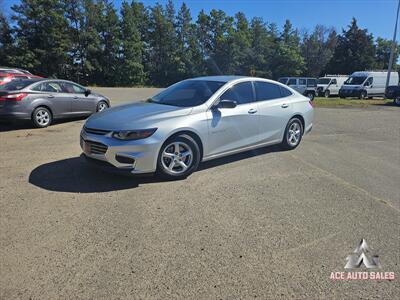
(92, 42)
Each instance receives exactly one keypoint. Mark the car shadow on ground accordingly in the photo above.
(75, 175)
(22, 124)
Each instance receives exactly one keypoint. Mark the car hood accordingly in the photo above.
(134, 116)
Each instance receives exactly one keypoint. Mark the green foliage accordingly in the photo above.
(355, 51)
(90, 42)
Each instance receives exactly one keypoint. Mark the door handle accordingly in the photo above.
(284, 105)
(252, 111)
(50, 96)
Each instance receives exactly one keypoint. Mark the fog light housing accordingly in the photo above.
(124, 159)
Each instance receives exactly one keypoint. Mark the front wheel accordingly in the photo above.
(327, 93)
(102, 105)
(363, 95)
(293, 134)
(178, 158)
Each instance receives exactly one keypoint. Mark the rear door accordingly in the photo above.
(53, 92)
(293, 83)
(302, 85)
(274, 110)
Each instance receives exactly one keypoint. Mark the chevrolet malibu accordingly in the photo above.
(196, 120)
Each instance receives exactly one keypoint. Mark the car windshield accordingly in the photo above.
(187, 93)
(324, 80)
(355, 80)
(282, 80)
(16, 85)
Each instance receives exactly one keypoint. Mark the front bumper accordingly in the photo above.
(350, 93)
(136, 157)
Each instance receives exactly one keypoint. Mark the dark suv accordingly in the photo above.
(304, 85)
(393, 92)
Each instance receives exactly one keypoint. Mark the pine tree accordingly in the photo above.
(383, 48)
(287, 59)
(6, 42)
(131, 61)
(317, 49)
(162, 48)
(355, 51)
(42, 37)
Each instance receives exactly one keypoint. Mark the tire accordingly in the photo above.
(363, 95)
(170, 158)
(289, 143)
(102, 105)
(327, 94)
(397, 101)
(310, 96)
(41, 117)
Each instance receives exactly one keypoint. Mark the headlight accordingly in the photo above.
(129, 135)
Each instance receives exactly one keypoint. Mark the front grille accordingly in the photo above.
(96, 131)
(97, 148)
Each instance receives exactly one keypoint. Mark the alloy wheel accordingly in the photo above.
(42, 117)
(177, 157)
(294, 134)
(102, 106)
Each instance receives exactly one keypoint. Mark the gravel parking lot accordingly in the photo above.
(262, 224)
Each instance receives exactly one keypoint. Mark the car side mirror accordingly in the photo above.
(87, 92)
(226, 104)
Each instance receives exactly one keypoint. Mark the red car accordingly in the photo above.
(7, 77)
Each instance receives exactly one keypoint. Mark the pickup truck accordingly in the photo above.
(393, 92)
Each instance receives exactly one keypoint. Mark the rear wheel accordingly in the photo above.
(327, 93)
(293, 134)
(41, 117)
(397, 101)
(178, 158)
(310, 95)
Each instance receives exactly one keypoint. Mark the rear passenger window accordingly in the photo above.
(302, 81)
(266, 91)
(312, 82)
(241, 93)
(285, 92)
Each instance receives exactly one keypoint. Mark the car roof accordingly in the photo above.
(222, 78)
(18, 74)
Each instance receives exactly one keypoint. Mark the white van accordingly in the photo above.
(329, 85)
(367, 84)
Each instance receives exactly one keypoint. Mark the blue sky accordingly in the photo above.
(378, 16)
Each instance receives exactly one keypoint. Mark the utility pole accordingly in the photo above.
(393, 48)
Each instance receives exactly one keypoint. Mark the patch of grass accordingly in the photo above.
(348, 102)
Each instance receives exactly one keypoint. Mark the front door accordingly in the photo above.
(81, 104)
(233, 128)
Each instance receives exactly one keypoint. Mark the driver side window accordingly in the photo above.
(242, 93)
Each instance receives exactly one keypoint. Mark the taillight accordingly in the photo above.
(13, 97)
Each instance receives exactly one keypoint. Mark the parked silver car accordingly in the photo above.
(42, 100)
(196, 120)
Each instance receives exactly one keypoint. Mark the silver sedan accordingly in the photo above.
(196, 120)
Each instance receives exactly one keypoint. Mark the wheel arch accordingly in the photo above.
(301, 118)
(45, 106)
(193, 135)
